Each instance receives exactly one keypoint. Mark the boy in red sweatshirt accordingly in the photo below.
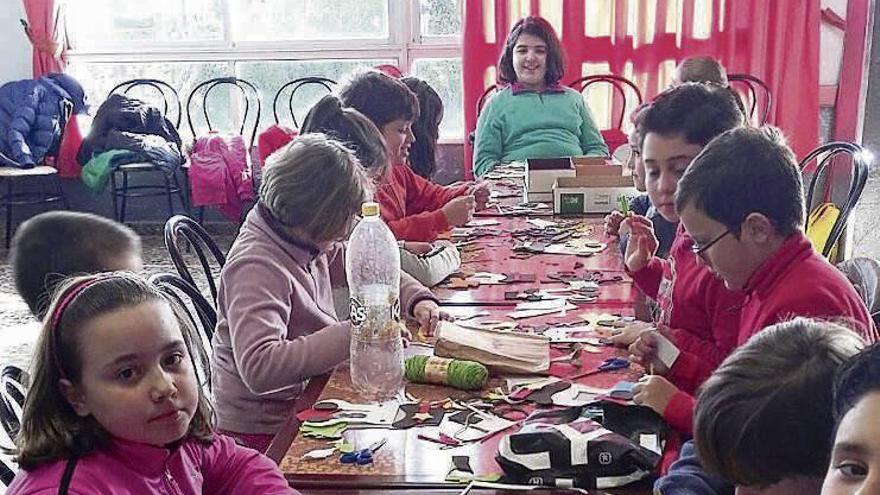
(414, 208)
(700, 313)
(742, 202)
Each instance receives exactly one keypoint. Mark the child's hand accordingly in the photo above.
(627, 335)
(481, 192)
(612, 223)
(428, 315)
(418, 247)
(642, 242)
(459, 211)
(644, 352)
(655, 392)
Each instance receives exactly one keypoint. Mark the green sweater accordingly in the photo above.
(514, 127)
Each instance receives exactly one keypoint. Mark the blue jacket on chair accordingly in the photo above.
(30, 116)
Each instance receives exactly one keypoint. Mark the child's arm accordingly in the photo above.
(432, 268)
(228, 468)
(424, 227)
(591, 140)
(489, 143)
(423, 195)
(257, 301)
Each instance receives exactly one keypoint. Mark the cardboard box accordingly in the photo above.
(591, 193)
(541, 174)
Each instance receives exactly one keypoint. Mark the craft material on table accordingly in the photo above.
(530, 309)
(364, 456)
(464, 375)
(609, 364)
(501, 352)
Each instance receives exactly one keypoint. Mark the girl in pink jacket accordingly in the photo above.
(130, 416)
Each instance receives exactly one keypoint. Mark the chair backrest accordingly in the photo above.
(250, 95)
(13, 388)
(170, 96)
(753, 89)
(182, 231)
(204, 320)
(298, 83)
(484, 97)
(860, 168)
(619, 85)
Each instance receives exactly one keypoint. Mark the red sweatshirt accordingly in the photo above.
(703, 317)
(410, 204)
(797, 281)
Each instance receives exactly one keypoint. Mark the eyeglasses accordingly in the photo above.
(699, 250)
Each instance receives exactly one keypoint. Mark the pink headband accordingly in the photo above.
(55, 319)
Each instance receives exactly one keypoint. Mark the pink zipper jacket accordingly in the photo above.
(223, 467)
(219, 174)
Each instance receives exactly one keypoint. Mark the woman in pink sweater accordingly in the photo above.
(277, 325)
(130, 416)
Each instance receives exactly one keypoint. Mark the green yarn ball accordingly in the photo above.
(464, 375)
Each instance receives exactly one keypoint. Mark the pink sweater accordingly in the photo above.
(191, 468)
(277, 325)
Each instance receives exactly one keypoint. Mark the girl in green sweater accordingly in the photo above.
(533, 116)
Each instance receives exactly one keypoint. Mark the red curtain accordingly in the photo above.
(776, 41)
(46, 33)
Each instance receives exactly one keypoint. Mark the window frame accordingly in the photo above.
(404, 44)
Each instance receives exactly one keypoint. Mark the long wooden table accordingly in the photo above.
(407, 464)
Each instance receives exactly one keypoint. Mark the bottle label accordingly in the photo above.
(357, 312)
(395, 310)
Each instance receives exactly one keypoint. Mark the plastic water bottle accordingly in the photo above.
(372, 267)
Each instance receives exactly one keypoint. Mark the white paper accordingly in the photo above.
(666, 350)
(482, 222)
(541, 224)
(531, 313)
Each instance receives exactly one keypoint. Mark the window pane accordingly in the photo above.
(273, 20)
(440, 17)
(99, 78)
(94, 23)
(444, 75)
(269, 76)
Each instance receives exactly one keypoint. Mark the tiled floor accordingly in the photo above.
(19, 330)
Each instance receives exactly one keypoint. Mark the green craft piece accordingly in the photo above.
(464, 375)
(328, 432)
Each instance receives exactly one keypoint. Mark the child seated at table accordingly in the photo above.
(426, 128)
(277, 326)
(764, 419)
(57, 244)
(641, 204)
(428, 263)
(699, 69)
(855, 457)
(414, 208)
(742, 202)
(698, 311)
(114, 405)
(533, 115)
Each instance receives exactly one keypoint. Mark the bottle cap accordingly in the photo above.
(370, 209)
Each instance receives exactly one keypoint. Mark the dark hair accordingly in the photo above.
(57, 244)
(350, 127)
(765, 414)
(426, 129)
(50, 428)
(380, 97)
(859, 376)
(536, 26)
(697, 112)
(744, 171)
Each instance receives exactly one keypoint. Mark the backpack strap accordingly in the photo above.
(67, 476)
